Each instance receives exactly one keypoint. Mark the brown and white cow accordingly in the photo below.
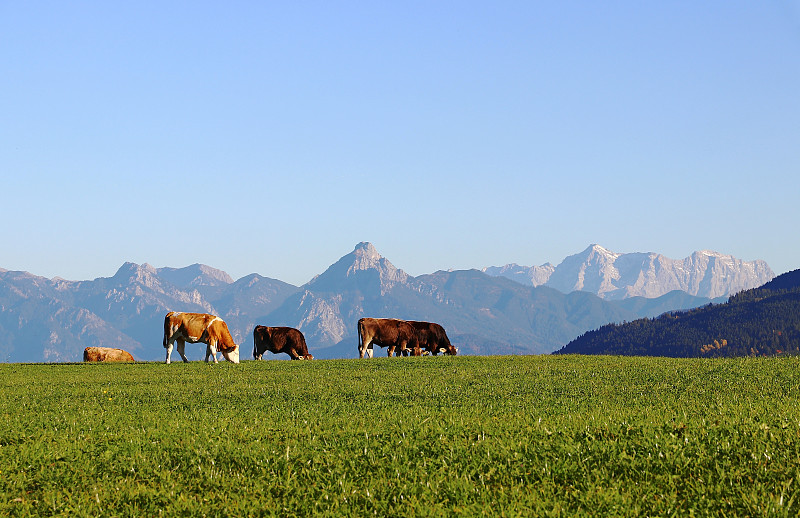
(432, 338)
(387, 332)
(280, 340)
(199, 327)
(106, 354)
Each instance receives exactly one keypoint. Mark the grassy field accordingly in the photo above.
(504, 436)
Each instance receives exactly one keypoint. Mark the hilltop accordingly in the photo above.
(760, 321)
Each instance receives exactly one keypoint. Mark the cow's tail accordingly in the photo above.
(166, 331)
(360, 325)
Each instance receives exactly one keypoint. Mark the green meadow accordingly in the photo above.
(443, 436)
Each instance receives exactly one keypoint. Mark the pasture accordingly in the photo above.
(502, 436)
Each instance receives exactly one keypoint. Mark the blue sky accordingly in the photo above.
(272, 137)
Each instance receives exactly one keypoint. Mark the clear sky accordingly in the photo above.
(272, 137)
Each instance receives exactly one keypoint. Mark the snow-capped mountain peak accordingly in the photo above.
(613, 275)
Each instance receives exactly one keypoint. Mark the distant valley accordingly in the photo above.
(506, 310)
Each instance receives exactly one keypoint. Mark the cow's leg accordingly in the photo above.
(365, 347)
(181, 347)
(211, 350)
(169, 352)
(390, 351)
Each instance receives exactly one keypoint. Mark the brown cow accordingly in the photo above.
(432, 338)
(386, 332)
(280, 340)
(106, 354)
(199, 327)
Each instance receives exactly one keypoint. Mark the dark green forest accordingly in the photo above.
(764, 321)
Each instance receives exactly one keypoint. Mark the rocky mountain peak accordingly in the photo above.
(363, 268)
(596, 251)
(367, 249)
(364, 257)
(135, 272)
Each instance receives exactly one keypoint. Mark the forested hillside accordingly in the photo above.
(761, 321)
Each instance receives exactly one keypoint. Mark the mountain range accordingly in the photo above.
(614, 276)
(54, 319)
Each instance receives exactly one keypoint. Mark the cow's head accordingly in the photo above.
(232, 355)
(450, 349)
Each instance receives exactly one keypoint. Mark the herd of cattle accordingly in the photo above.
(400, 337)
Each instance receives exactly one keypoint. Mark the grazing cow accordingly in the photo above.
(432, 338)
(199, 327)
(280, 340)
(386, 332)
(106, 354)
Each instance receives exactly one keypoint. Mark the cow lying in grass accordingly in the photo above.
(106, 354)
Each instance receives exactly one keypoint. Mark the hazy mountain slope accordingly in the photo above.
(193, 276)
(526, 275)
(673, 301)
(502, 310)
(38, 322)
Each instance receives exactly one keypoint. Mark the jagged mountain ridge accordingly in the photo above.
(615, 276)
(53, 319)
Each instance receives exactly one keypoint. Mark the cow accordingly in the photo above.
(280, 340)
(386, 332)
(106, 354)
(432, 338)
(199, 327)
